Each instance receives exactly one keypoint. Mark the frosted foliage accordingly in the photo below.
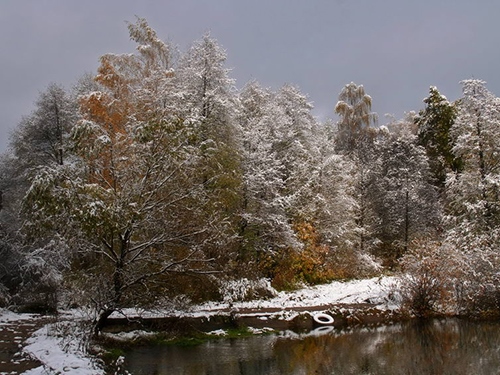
(42, 137)
(245, 289)
(49, 262)
(354, 109)
(132, 203)
(474, 193)
(150, 47)
(264, 169)
(289, 169)
(335, 203)
(354, 106)
(205, 81)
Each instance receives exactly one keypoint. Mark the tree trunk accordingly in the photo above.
(102, 319)
(118, 285)
(407, 221)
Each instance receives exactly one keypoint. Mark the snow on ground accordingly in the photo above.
(7, 316)
(58, 346)
(60, 353)
(376, 290)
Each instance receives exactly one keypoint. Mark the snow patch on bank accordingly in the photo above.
(7, 316)
(59, 353)
(378, 291)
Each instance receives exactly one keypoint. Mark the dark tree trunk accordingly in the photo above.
(101, 320)
(407, 221)
(118, 286)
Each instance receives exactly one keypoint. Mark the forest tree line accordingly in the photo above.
(155, 178)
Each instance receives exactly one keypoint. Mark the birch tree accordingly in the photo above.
(354, 109)
(355, 138)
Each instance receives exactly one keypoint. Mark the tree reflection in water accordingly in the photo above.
(422, 347)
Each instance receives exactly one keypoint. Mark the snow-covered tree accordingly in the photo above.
(42, 137)
(354, 109)
(475, 191)
(130, 208)
(266, 225)
(298, 149)
(40, 140)
(473, 194)
(435, 122)
(299, 207)
(406, 202)
(356, 138)
(209, 104)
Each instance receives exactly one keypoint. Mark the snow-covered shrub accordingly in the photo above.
(245, 289)
(42, 278)
(368, 265)
(476, 265)
(427, 283)
(451, 278)
(477, 291)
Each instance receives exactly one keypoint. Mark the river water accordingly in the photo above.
(449, 346)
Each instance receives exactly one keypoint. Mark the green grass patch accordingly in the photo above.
(112, 354)
(186, 341)
(239, 332)
(193, 338)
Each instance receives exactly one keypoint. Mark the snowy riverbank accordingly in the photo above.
(59, 345)
(378, 291)
(56, 347)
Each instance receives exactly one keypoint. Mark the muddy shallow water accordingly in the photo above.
(12, 336)
(447, 346)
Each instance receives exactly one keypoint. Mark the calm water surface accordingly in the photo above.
(431, 347)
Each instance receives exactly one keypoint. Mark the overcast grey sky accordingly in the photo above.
(395, 48)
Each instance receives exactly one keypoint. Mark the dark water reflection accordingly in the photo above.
(431, 347)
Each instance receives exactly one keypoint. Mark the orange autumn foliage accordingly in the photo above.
(312, 264)
(110, 110)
